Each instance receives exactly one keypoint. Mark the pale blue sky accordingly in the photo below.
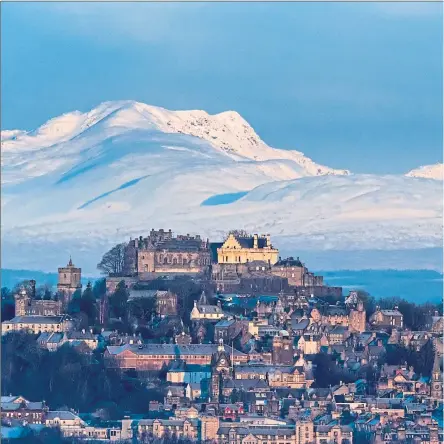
(355, 86)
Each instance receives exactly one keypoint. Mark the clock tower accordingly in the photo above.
(221, 370)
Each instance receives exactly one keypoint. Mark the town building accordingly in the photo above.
(203, 311)
(387, 318)
(296, 273)
(26, 304)
(38, 324)
(154, 356)
(20, 409)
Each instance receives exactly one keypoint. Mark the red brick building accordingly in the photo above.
(147, 357)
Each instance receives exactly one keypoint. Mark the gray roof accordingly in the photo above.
(37, 319)
(248, 242)
(209, 309)
(140, 294)
(61, 414)
(80, 335)
(55, 338)
(268, 430)
(327, 428)
(246, 384)
(174, 350)
(8, 398)
(225, 323)
(391, 313)
(8, 404)
(338, 329)
(261, 369)
(299, 325)
(168, 422)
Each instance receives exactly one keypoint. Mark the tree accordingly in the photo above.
(239, 233)
(118, 301)
(143, 309)
(8, 304)
(326, 372)
(75, 303)
(99, 288)
(421, 361)
(113, 261)
(68, 379)
(88, 304)
(44, 292)
(26, 284)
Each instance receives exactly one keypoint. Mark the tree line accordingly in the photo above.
(67, 379)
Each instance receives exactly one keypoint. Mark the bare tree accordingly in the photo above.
(113, 261)
(239, 233)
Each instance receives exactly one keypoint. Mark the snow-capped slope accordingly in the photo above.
(227, 132)
(435, 171)
(84, 181)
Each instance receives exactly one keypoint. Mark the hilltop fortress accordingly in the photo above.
(241, 263)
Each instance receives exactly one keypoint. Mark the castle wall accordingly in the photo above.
(150, 261)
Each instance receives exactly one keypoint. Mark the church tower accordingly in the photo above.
(436, 390)
(357, 318)
(69, 281)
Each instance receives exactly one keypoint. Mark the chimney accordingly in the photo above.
(268, 240)
(255, 241)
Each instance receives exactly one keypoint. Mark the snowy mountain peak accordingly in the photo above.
(227, 132)
(435, 171)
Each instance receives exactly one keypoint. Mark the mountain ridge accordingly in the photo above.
(88, 180)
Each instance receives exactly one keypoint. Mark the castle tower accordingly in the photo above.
(69, 281)
(22, 301)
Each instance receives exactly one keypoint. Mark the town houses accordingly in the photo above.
(240, 346)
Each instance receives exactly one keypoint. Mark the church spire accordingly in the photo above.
(70, 261)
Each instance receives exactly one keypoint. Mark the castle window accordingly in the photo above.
(165, 260)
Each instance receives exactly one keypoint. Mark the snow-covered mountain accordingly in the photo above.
(83, 181)
(435, 171)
